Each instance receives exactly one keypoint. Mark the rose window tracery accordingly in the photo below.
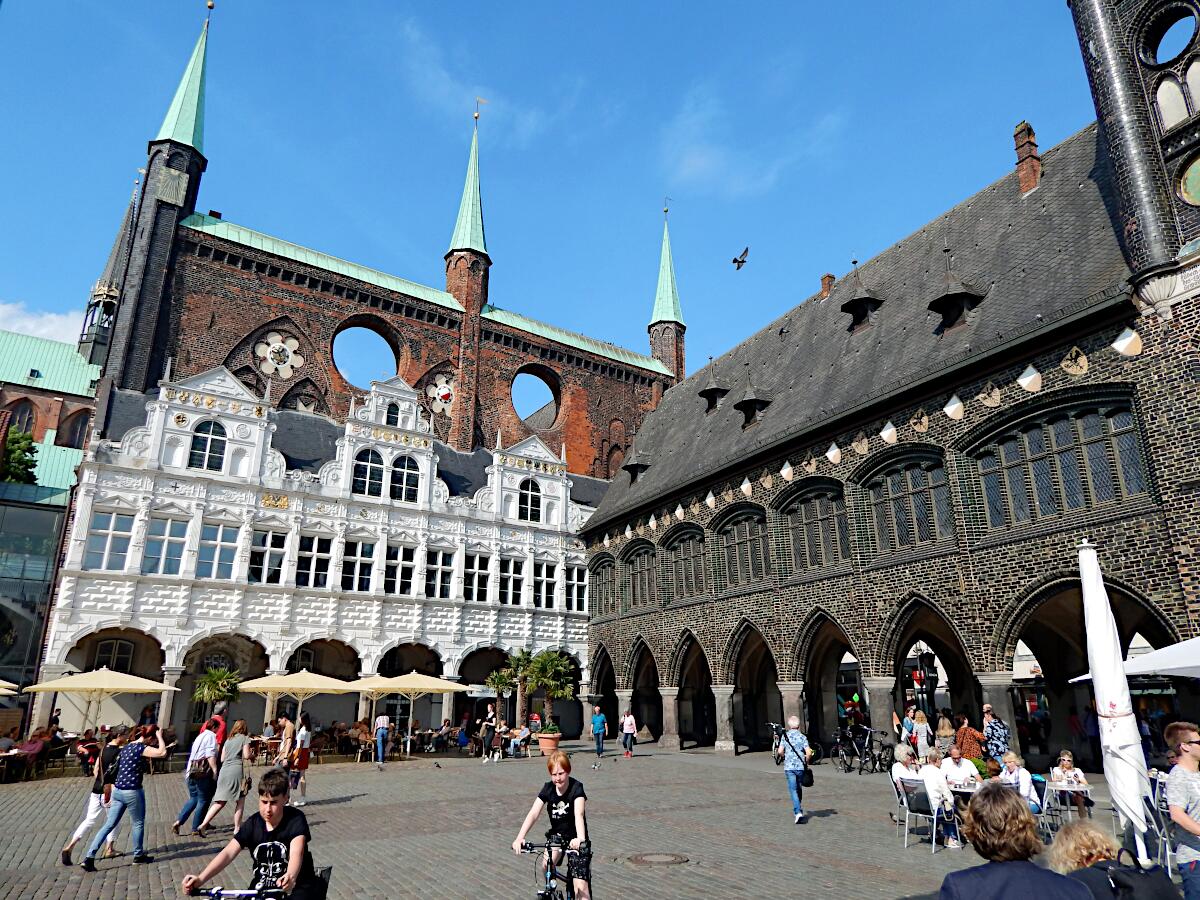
(441, 393)
(277, 355)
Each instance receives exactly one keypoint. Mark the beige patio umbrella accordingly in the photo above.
(5, 692)
(414, 685)
(298, 685)
(98, 685)
(7, 685)
(373, 687)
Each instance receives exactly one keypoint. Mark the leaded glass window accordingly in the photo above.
(641, 578)
(820, 530)
(911, 506)
(686, 557)
(746, 557)
(603, 588)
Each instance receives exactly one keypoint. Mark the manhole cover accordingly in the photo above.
(658, 859)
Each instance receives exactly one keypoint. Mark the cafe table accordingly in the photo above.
(1071, 787)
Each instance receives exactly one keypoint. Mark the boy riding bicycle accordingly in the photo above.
(565, 800)
(277, 837)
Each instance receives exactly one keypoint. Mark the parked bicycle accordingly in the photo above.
(777, 731)
(549, 888)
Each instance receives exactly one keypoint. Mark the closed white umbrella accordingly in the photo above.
(1124, 764)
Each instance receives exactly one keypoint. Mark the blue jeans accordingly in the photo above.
(948, 825)
(135, 800)
(599, 736)
(380, 743)
(1190, 873)
(200, 791)
(795, 789)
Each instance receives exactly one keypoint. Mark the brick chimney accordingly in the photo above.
(827, 281)
(1029, 164)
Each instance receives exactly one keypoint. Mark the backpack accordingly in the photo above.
(1137, 883)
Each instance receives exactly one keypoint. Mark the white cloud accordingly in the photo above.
(56, 326)
(700, 149)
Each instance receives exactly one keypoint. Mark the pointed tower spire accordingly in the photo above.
(184, 122)
(106, 292)
(468, 230)
(666, 298)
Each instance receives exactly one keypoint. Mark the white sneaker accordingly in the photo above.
(952, 844)
(799, 816)
(299, 803)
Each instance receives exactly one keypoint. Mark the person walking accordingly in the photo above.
(287, 742)
(487, 731)
(300, 758)
(944, 736)
(104, 772)
(599, 733)
(127, 793)
(795, 750)
(231, 781)
(922, 734)
(967, 738)
(383, 725)
(200, 776)
(996, 733)
(628, 732)
(1183, 802)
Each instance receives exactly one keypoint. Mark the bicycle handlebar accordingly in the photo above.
(257, 893)
(529, 847)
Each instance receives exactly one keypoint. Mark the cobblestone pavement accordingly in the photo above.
(415, 831)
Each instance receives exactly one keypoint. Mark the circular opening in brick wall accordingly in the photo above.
(1169, 34)
(362, 356)
(535, 397)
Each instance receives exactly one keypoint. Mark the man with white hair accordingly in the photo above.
(794, 748)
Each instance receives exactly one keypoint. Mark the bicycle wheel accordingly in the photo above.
(843, 760)
(818, 752)
(867, 761)
(887, 756)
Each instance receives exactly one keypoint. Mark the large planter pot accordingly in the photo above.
(548, 743)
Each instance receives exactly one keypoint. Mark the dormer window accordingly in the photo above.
(713, 390)
(392, 416)
(957, 298)
(635, 464)
(862, 309)
(406, 479)
(752, 405)
(208, 447)
(529, 501)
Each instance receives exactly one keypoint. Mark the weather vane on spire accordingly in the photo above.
(666, 206)
(478, 100)
(211, 5)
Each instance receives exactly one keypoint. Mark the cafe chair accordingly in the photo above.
(917, 806)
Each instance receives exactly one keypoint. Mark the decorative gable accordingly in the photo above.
(532, 448)
(215, 381)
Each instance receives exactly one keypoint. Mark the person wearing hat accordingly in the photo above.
(104, 773)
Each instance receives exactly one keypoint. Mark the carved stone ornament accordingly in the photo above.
(1075, 362)
(767, 480)
(888, 434)
(989, 396)
(810, 464)
(919, 421)
(242, 431)
(860, 444)
(181, 420)
(277, 355)
(787, 473)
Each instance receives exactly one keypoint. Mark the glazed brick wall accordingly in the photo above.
(221, 309)
(985, 583)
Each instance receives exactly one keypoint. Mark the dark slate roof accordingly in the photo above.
(308, 441)
(1041, 258)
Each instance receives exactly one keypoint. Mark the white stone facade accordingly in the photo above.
(184, 539)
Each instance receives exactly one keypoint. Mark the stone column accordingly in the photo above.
(881, 702)
(166, 702)
(724, 707)
(670, 734)
(624, 701)
(793, 701)
(996, 692)
(43, 701)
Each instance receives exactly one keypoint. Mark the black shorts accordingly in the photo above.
(579, 865)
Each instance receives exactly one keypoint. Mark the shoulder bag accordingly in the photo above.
(1134, 882)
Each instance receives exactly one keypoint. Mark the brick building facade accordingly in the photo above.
(184, 292)
(903, 465)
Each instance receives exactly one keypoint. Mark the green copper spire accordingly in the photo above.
(184, 123)
(666, 298)
(468, 230)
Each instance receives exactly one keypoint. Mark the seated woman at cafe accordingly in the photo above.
(517, 740)
(993, 769)
(268, 731)
(905, 766)
(1016, 775)
(1066, 773)
(441, 738)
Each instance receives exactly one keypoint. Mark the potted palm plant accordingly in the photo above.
(551, 671)
(500, 682)
(518, 672)
(215, 686)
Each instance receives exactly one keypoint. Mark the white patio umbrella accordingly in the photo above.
(1180, 660)
(98, 685)
(1124, 764)
(414, 685)
(298, 685)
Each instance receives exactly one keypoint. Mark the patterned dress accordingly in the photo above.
(968, 740)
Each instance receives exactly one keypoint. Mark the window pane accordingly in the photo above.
(943, 508)
(1121, 419)
(900, 514)
(1092, 425)
(1043, 483)
(1018, 493)
(1131, 463)
(843, 529)
(1036, 441)
(922, 512)
(1100, 472)
(994, 496)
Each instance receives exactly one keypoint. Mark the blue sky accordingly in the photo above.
(815, 133)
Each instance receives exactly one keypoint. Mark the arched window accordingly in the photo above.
(603, 588)
(76, 430)
(529, 501)
(641, 577)
(911, 505)
(24, 418)
(392, 417)
(1063, 464)
(820, 530)
(406, 479)
(746, 557)
(208, 447)
(1172, 108)
(685, 556)
(367, 479)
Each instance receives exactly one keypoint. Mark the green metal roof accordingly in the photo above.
(468, 230)
(239, 235)
(571, 339)
(184, 122)
(56, 465)
(666, 298)
(59, 366)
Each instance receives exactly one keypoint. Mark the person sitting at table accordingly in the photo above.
(993, 769)
(441, 738)
(1016, 775)
(905, 766)
(9, 740)
(518, 740)
(56, 739)
(957, 769)
(1066, 773)
(35, 744)
(268, 731)
(147, 716)
(940, 794)
(87, 750)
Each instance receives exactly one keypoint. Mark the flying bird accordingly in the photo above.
(739, 261)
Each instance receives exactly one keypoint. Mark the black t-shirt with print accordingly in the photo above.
(270, 849)
(562, 809)
(107, 757)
